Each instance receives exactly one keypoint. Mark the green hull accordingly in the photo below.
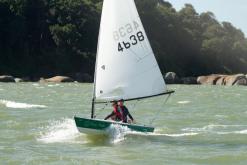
(89, 126)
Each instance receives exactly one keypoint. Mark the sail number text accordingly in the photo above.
(134, 39)
(130, 34)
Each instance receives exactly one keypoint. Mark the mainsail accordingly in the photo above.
(126, 67)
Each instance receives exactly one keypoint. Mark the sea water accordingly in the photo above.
(197, 125)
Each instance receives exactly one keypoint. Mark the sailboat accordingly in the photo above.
(125, 67)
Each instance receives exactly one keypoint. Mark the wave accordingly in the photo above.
(117, 133)
(53, 85)
(233, 132)
(182, 134)
(65, 131)
(13, 104)
(60, 131)
(183, 102)
(241, 132)
(219, 129)
(164, 134)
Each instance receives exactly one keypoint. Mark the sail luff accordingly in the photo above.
(95, 71)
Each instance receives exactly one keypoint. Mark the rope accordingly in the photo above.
(132, 107)
(101, 110)
(158, 112)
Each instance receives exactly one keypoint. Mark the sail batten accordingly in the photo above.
(126, 67)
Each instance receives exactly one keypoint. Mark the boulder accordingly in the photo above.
(57, 79)
(209, 80)
(189, 80)
(238, 79)
(7, 78)
(172, 78)
(241, 81)
(221, 81)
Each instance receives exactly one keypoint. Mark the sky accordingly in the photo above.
(234, 11)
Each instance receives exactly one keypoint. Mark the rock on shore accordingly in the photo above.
(172, 78)
(216, 79)
(213, 79)
(7, 78)
(57, 79)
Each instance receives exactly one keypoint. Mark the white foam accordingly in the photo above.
(117, 132)
(221, 116)
(53, 85)
(13, 104)
(163, 134)
(242, 132)
(212, 126)
(233, 132)
(60, 131)
(182, 134)
(183, 102)
(219, 129)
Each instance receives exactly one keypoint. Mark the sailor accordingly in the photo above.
(120, 112)
(115, 115)
(125, 112)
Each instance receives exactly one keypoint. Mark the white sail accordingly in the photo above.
(126, 67)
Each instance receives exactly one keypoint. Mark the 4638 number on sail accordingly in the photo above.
(133, 40)
(130, 34)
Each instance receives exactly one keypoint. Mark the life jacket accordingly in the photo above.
(118, 111)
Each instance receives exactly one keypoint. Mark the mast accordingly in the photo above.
(92, 110)
(95, 71)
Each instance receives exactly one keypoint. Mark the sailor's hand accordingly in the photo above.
(133, 121)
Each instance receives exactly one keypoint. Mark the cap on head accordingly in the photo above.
(114, 102)
(122, 100)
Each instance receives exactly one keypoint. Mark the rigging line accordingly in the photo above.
(101, 110)
(135, 11)
(137, 58)
(158, 112)
(143, 72)
(147, 55)
(144, 45)
(135, 104)
(132, 107)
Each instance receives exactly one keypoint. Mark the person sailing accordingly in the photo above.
(125, 112)
(120, 112)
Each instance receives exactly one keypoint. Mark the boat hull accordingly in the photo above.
(96, 126)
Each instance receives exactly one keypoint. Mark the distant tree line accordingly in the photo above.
(50, 37)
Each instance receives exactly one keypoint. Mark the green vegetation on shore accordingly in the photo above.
(52, 37)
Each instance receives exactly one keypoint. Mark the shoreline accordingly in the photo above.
(170, 78)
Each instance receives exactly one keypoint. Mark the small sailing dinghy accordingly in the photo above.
(125, 66)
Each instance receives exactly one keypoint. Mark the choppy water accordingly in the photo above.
(198, 125)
